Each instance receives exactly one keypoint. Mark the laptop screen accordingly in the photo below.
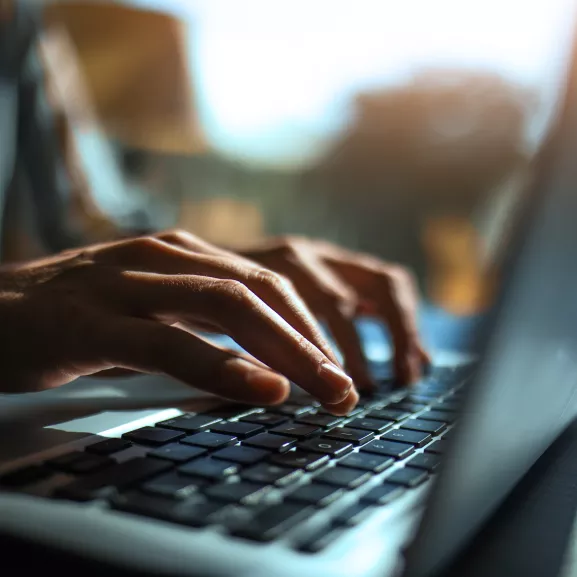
(525, 392)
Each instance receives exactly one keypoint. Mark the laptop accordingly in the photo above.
(398, 487)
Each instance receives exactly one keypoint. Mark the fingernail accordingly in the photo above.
(341, 382)
(260, 378)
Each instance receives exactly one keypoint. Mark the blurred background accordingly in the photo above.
(405, 129)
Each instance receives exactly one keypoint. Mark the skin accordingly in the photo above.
(137, 304)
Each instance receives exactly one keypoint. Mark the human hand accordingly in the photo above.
(125, 305)
(337, 285)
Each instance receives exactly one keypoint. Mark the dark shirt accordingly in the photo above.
(29, 147)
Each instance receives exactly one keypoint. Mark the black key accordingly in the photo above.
(388, 414)
(240, 430)
(189, 423)
(265, 419)
(242, 455)
(316, 494)
(383, 494)
(343, 477)
(407, 477)
(433, 427)
(242, 492)
(407, 406)
(109, 446)
(274, 522)
(427, 461)
(64, 462)
(121, 476)
(209, 468)
(423, 398)
(177, 453)
(405, 436)
(295, 430)
(389, 448)
(209, 440)
(291, 410)
(230, 411)
(367, 462)
(321, 539)
(437, 447)
(174, 485)
(195, 511)
(375, 425)
(270, 474)
(87, 463)
(354, 436)
(319, 420)
(452, 406)
(327, 446)
(25, 476)
(354, 514)
(300, 460)
(443, 416)
(153, 436)
(271, 442)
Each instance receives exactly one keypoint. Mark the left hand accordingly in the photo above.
(337, 285)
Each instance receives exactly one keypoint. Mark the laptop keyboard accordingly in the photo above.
(258, 473)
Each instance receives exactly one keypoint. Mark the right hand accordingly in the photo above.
(132, 305)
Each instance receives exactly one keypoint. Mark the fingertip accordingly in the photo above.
(272, 387)
(345, 406)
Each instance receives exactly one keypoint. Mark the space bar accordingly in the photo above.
(120, 477)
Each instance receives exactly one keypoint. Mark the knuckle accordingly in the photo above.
(233, 292)
(145, 244)
(272, 280)
(176, 235)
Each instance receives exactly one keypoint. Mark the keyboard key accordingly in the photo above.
(383, 494)
(327, 446)
(451, 406)
(367, 462)
(321, 539)
(354, 514)
(153, 436)
(265, 419)
(177, 453)
(189, 423)
(270, 474)
(443, 416)
(354, 436)
(230, 411)
(174, 485)
(274, 522)
(209, 440)
(121, 476)
(388, 414)
(25, 476)
(343, 477)
(319, 420)
(388, 448)
(295, 430)
(291, 410)
(427, 461)
(424, 398)
(209, 468)
(316, 494)
(437, 447)
(240, 430)
(300, 460)
(271, 442)
(407, 406)
(405, 436)
(374, 425)
(407, 477)
(433, 427)
(109, 446)
(242, 492)
(87, 463)
(242, 455)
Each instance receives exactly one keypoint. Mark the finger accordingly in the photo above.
(154, 255)
(394, 295)
(345, 406)
(242, 315)
(151, 347)
(335, 302)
